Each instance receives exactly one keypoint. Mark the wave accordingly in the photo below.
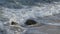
(20, 10)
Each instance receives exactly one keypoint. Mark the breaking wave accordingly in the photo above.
(21, 10)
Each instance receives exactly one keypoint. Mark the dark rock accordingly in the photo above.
(13, 23)
(30, 22)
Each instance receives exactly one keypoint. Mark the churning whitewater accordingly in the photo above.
(45, 12)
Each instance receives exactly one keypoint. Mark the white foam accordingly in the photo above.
(21, 15)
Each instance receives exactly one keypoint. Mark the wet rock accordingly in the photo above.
(30, 22)
(13, 23)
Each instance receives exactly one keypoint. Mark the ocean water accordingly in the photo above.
(46, 12)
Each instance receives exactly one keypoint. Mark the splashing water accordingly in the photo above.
(19, 11)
